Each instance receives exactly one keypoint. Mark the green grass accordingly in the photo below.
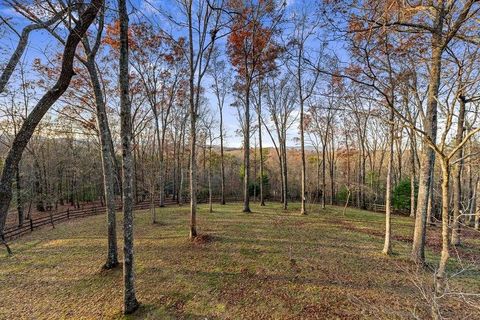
(270, 264)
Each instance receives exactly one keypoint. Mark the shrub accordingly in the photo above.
(401, 195)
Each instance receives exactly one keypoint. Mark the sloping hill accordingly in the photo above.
(267, 265)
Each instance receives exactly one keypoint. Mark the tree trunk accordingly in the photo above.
(285, 176)
(193, 129)
(210, 206)
(472, 191)
(180, 188)
(457, 175)
(303, 210)
(18, 186)
(246, 153)
(193, 175)
(430, 201)
(175, 167)
(160, 160)
(130, 303)
(222, 160)
(441, 273)
(152, 201)
(319, 184)
(359, 181)
(324, 174)
(162, 168)
(332, 170)
(399, 156)
(387, 247)
(259, 115)
(282, 176)
(477, 206)
(348, 166)
(361, 178)
(43, 105)
(255, 171)
(428, 155)
(134, 172)
(204, 171)
(412, 174)
(107, 164)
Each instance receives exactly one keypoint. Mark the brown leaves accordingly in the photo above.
(251, 46)
(353, 70)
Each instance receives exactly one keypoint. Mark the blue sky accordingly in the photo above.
(41, 42)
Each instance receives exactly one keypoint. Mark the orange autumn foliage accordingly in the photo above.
(251, 46)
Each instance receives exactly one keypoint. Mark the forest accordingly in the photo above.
(240, 159)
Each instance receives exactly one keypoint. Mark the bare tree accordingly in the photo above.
(299, 59)
(221, 86)
(200, 46)
(280, 99)
(130, 303)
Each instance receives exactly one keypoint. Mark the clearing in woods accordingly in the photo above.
(270, 264)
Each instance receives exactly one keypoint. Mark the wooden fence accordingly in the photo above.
(30, 225)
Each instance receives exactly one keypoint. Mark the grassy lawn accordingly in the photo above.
(270, 264)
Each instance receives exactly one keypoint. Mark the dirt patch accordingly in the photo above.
(106, 271)
(203, 239)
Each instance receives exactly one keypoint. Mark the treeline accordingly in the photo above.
(364, 103)
(63, 168)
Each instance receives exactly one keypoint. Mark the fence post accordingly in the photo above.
(68, 213)
(31, 223)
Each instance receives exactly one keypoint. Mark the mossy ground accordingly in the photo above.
(270, 264)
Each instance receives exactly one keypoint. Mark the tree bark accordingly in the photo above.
(282, 177)
(303, 210)
(428, 155)
(324, 173)
(441, 272)
(472, 187)
(210, 205)
(413, 173)
(285, 174)
(193, 130)
(43, 105)
(457, 175)
(246, 153)
(193, 175)
(107, 164)
(18, 186)
(161, 177)
(259, 117)
(430, 201)
(162, 169)
(387, 247)
(222, 159)
(181, 182)
(477, 206)
(333, 199)
(130, 303)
